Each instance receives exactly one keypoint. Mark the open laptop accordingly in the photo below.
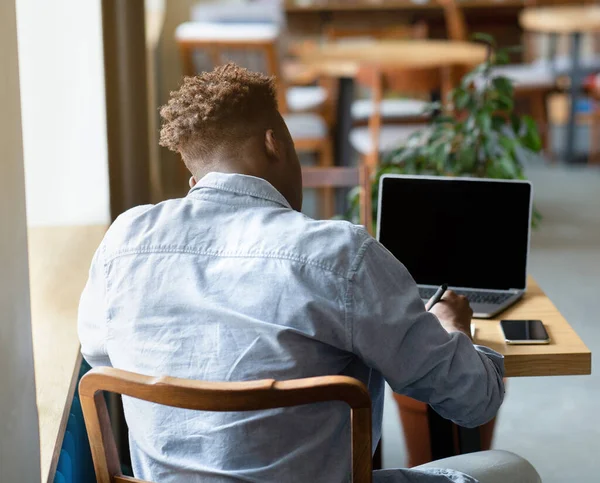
(472, 234)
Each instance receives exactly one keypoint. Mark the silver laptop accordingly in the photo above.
(472, 234)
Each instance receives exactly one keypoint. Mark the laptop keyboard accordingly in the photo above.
(473, 296)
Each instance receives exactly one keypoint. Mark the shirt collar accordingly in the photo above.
(241, 184)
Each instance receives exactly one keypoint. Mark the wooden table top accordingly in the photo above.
(59, 261)
(342, 59)
(565, 355)
(561, 19)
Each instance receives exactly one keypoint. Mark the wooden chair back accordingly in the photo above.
(344, 177)
(256, 47)
(419, 30)
(218, 396)
(385, 79)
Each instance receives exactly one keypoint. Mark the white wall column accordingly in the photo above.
(19, 437)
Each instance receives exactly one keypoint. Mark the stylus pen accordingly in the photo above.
(438, 295)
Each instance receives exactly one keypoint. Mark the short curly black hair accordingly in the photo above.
(229, 100)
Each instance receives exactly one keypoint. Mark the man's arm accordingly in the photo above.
(92, 323)
(392, 332)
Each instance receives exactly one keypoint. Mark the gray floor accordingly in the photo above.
(553, 421)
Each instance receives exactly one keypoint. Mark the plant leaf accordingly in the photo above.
(501, 57)
(479, 134)
(503, 86)
(531, 138)
(485, 38)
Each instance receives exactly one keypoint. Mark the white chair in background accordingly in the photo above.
(297, 98)
(383, 135)
(263, 11)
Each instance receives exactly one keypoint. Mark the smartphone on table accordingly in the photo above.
(524, 332)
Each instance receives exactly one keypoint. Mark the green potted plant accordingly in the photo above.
(477, 133)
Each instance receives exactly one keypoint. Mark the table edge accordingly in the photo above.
(62, 427)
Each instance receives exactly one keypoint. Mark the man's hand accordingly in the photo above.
(454, 313)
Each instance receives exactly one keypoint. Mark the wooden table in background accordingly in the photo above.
(59, 261)
(342, 60)
(566, 20)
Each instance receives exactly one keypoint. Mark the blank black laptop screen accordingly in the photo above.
(471, 234)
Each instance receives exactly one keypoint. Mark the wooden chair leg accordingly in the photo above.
(370, 160)
(594, 155)
(327, 195)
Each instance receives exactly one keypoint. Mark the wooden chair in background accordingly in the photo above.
(533, 81)
(398, 107)
(218, 396)
(204, 46)
(381, 135)
(344, 177)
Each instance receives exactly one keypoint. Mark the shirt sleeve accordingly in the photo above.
(393, 333)
(92, 323)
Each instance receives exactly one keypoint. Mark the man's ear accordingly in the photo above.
(273, 146)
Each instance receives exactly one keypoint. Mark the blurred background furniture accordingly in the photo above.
(343, 60)
(308, 19)
(592, 89)
(382, 135)
(256, 12)
(219, 396)
(344, 177)
(533, 81)
(572, 21)
(397, 107)
(255, 46)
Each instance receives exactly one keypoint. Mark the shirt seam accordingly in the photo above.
(219, 253)
(349, 301)
(107, 316)
(207, 198)
(254, 194)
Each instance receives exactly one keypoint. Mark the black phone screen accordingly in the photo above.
(524, 330)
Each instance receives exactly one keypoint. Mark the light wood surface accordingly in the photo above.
(59, 260)
(220, 396)
(343, 59)
(565, 355)
(561, 19)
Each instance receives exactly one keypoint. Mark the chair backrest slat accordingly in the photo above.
(344, 177)
(218, 396)
(337, 177)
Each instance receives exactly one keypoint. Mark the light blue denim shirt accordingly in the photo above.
(231, 284)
